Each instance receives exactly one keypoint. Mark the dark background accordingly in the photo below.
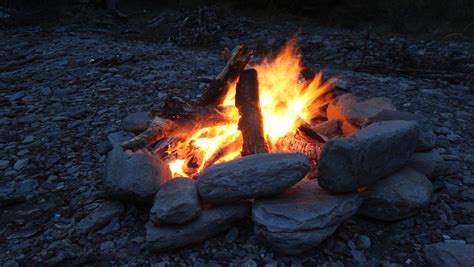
(402, 16)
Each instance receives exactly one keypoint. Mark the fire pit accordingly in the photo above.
(263, 137)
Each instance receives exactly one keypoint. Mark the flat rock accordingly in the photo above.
(337, 107)
(211, 222)
(427, 138)
(136, 122)
(252, 176)
(429, 163)
(301, 217)
(100, 217)
(449, 254)
(374, 152)
(397, 196)
(466, 232)
(176, 202)
(134, 175)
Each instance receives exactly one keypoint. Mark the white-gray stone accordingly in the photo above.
(211, 222)
(374, 152)
(397, 196)
(252, 176)
(176, 202)
(117, 138)
(134, 175)
(100, 217)
(466, 232)
(301, 217)
(136, 122)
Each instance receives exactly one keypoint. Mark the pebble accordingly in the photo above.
(20, 164)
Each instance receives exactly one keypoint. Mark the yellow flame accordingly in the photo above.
(284, 98)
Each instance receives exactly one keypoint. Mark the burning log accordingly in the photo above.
(181, 126)
(236, 144)
(307, 130)
(247, 101)
(217, 89)
(297, 143)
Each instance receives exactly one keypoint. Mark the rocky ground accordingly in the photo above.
(64, 88)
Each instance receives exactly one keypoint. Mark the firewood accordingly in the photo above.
(307, 130)
(298, 143)
(217, 89)
(179, 128)
(222, 151)
(247, 101)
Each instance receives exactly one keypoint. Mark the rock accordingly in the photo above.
(362, 242)
(349, 129)
(4, 164)
(211, 222)
(468, 180)
(449, 254)
(177, 202)
(346, 108)
(466, 232)
(329, 129)
(136, 122)
(100, 217)
(429, 163)
(20, 164)
(301, 217)
(26, 186)
(252, 176)
(134, 175)
(427, 138)
(117, 138)
(397, 196)
(468, 194)
(375, 151)
(337, 107)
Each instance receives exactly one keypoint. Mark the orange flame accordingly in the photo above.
(284, 98)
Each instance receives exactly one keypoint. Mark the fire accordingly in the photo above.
(285, 97)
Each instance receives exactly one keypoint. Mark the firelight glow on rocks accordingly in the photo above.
(284, 98)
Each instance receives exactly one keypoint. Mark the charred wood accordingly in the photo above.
(247, 101)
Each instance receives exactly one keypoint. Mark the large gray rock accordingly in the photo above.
(100, 217)
(375, 151)
(449, 254)
(397, 196)
(429, 163)
(252, 176)
(209, 223)
(136, 122)
(301, 217)
(176, 202)
(134, 175)
(347, 108)
(427, 138)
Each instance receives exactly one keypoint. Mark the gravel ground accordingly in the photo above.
(64, 88)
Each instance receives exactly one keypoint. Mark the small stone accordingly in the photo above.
(349, 163)
(349, 129)
(136, 122)
(106, 247)
(469, 180)
(232, 235)
(4, 164)
(134, 176)
(249, 263)
(211, 222)
(28, 139)
(454, 138)
(429, 163)
(26, 186)
(397, 196)
(362, 242)
(336, 108)
(100, 217)
(176, 202)
(466, 232)
(252, 176)
(20, 164)
(449, 254)
(468, 194)
(329, 129)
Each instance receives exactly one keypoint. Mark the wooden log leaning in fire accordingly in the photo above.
(217, 89)
(305, 129)
(247, 101)
(178, 127)
(222, 151)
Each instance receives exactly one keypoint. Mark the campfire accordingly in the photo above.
(250, 108)
(263, 137)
